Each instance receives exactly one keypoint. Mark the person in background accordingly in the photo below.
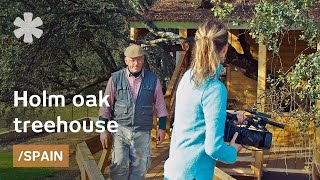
(133, 93)
(200, 111)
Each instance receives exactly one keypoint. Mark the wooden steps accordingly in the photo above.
(294, 171)
(239, 171)
(158, 157)
(156, 172)
(248, 164)
(161, 153)
(221, 175)
(245, 159)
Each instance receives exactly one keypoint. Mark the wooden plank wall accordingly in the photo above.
(241, 89)
(244, 89)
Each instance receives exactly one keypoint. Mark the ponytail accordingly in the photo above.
(210, 39)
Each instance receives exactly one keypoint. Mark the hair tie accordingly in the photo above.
(205, 37)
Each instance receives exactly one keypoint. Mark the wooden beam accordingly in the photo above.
(257, 168)
(83, 173)
(155, 129)
(86, 159)
(183, 33)
(287, 150)
(192, 25)
(238, 171)
(284, 170)
(104, 159)
(261, 88)
(245, 159)
(184, 25)
(228, 79)
(93, 170)
(262, 74)
(133, 34)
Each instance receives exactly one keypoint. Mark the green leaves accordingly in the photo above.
(79, 46)
(298, 90)
(305, 76)
(273, 19)
(221, 9)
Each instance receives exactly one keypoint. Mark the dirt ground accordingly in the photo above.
(71, 139)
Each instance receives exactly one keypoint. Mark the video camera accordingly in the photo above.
(259, 137)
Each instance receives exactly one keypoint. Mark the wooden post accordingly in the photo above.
(183, 33)
(154, 131)
(104, 159)
(83, 173)
(87, 164)
(257, 168)
(262, 73)
(133, 33)
(316, 146)
(261, 88)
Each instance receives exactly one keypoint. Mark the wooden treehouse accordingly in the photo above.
(246, 86)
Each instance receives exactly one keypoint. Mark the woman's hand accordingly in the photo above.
(240, 117)
(234, 144)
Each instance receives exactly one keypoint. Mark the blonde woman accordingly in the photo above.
(200, 112)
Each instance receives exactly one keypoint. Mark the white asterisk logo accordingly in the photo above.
(28, 27)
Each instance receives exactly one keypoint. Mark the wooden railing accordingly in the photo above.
(179, 70)
(85, 158)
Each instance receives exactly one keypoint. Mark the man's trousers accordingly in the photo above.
(130, 154)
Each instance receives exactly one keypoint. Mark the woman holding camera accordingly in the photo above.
(200, 111)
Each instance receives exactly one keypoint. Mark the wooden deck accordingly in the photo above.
(159, 156)
(277, 159)
(94, 163)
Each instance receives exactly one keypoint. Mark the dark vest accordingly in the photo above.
(139, 116)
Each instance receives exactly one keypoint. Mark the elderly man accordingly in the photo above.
(132, 93)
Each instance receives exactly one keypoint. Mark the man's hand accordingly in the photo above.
(105, 138)
(161, 135)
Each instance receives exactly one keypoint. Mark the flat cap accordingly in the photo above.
(134, 51)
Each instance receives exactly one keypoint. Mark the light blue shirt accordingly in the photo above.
(197, 136)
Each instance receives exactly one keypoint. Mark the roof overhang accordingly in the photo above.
(192, 25)
(183, 25)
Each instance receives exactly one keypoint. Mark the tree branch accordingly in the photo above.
(106, 59)
(149, 24)
(91, 83)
